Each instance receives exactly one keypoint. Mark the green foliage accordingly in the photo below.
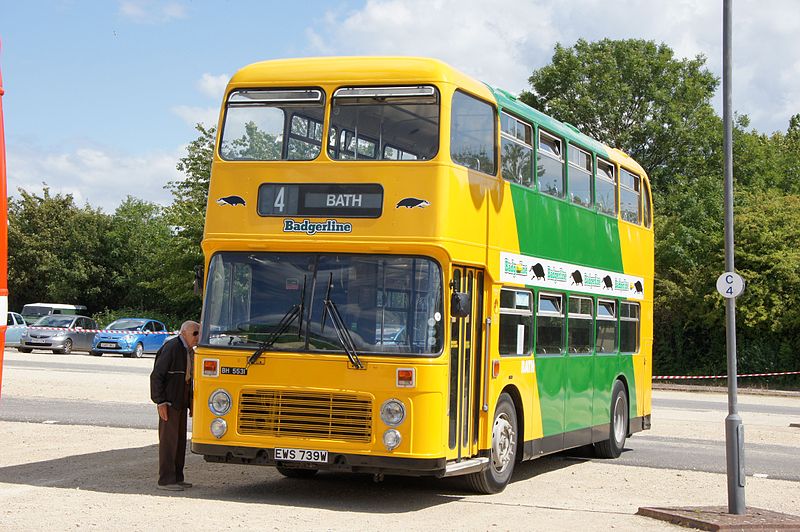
(57, 251)
(634, 95)
(178, 255)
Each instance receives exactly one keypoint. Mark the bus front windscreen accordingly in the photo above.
(388, 304)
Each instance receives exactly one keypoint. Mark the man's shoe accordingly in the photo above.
(185, 484)
(170, 487)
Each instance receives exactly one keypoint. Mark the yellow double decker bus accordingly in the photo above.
(411, 272)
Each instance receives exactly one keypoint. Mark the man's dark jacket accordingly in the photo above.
(168, 379)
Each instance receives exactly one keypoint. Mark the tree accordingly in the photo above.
(181, 253)
(57, 251)
(136, 235)
(634, 95)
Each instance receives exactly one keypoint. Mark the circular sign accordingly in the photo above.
(730, 284)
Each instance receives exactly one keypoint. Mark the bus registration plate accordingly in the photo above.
(301, 455)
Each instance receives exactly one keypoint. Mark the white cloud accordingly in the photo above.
(213, 86)
(502, 43)
(193, 115)
(151, 11)
(93, 174)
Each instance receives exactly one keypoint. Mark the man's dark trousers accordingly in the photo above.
(172, 446)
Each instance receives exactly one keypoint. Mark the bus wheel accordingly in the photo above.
(618, 429)
(498, 472)
(291, 472)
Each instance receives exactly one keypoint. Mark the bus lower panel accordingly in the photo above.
(347, 463)
(576, 438)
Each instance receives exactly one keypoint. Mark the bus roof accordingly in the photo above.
(510, 102)
(375, 70)
(353, 70)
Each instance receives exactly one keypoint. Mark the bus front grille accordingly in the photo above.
(284, 413)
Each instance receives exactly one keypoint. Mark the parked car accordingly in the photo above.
(16, 326)
(34, 311)
(136, 337)
(60, 334)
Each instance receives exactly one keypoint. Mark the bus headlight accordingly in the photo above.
(219, 427)
(393, 412)
(219, 402)
(391, 439)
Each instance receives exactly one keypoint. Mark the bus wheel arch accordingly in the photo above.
(504, 447)
(516, 398)
(619, 422)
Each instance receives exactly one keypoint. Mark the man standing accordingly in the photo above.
(171, 389)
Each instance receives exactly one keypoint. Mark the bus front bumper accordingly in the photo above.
(347, 463)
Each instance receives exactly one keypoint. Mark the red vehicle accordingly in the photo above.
(3, 234)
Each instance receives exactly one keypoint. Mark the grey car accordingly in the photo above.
(62, 333)
(16, 326)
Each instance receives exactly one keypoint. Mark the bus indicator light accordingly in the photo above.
(406, 377)
(495, 368)
(210, 367)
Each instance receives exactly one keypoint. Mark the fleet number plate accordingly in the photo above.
(301, 455)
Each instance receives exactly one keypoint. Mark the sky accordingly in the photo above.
(102, 96)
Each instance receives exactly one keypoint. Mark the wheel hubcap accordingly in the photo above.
(619, 420)
(502, 443)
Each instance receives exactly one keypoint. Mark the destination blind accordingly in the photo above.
(320, 200)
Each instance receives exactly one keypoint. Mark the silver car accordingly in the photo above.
(62, 333)
(16, 326)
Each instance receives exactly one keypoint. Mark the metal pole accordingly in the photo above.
(734, 430)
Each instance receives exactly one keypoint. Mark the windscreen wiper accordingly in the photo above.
(292, 314)
(339, 326)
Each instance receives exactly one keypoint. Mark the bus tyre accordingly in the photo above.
(290, 472)
(497, 474)
(618, 429)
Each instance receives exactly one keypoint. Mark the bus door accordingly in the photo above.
(466, 354)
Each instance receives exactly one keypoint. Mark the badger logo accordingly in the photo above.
(538, 271)
(410, 203)
(638, 287)
(577, 278)
(607, 282)
(232, 200)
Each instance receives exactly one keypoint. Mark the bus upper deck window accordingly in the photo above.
(272, 125)
(550, 165)
(630, 198)
(472, 133)
(516, 150)
(384, 123)
(605, 191)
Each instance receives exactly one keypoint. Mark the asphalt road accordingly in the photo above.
(643, 449)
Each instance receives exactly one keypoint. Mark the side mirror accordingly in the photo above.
(198, 280)
(459, 305)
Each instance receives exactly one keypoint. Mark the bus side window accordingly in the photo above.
(472, 133)
(629, 327)
(550, 324)
(550, 165)
(579, 325)
(606, 326)
(605, 188)
(516, 150)
(646, 211)
(580, 176)
(516, 322)
(630, 199)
